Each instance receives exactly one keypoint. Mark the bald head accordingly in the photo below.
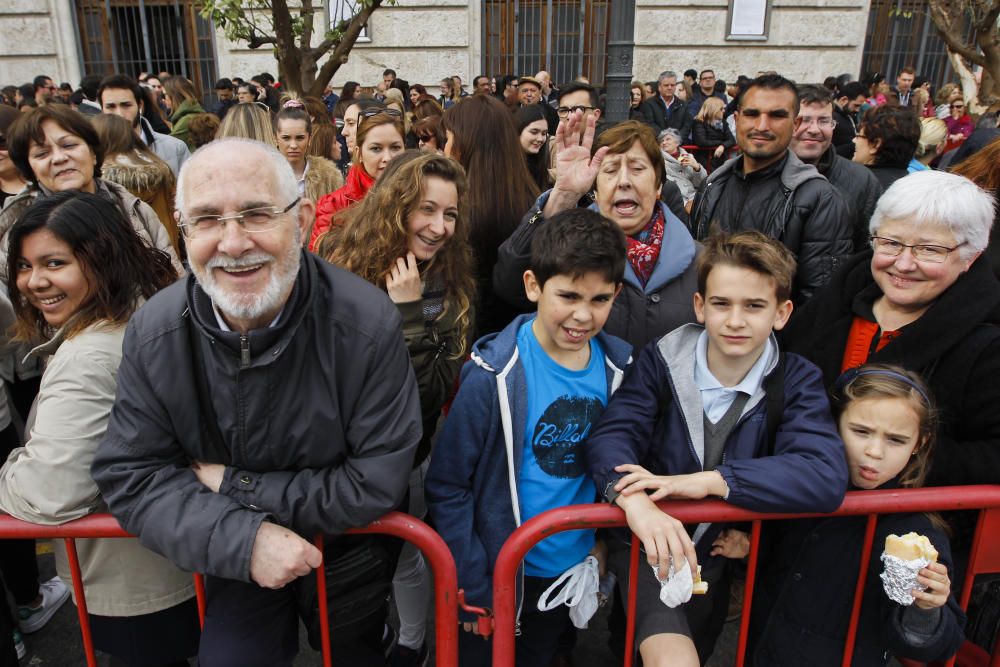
(546, 80)
(236, 158)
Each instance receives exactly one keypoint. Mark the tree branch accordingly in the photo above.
(307, 13)
(943, 23)
(350, 36)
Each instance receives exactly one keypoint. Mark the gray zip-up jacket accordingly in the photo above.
(318, 415)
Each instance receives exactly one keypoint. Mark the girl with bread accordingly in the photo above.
(808, 567)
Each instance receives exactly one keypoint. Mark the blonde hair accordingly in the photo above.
(709, 108)
(248, 120)
(933, 132)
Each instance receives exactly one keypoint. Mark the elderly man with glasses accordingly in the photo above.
(265, 400)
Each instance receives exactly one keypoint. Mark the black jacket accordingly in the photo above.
(655, 114)
(859, 187)
(789, 201)
(888, 175)
(318, 418)
(803, 597)
(844, 132)
(955, 345)
(707, 136)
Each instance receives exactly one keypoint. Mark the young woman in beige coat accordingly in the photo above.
(77, 272)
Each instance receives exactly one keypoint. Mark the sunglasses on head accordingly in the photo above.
(368, 113)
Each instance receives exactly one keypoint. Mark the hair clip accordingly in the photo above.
(293, 104)
(851, 374)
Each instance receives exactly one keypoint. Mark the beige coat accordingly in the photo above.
(48, 480)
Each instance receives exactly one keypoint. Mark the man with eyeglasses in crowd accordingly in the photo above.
(812, 142)
(770, 190)
(44, 89)
(704, 90)
(264, 400)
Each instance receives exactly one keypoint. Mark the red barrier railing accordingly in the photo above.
(397, 524)
(985, 555)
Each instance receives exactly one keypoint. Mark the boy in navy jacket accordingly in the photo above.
(510, 447)
(690, 421)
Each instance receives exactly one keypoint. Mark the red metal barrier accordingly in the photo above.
(985, 555)
(396, 524)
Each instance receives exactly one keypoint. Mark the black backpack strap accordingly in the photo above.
(774, 401)
(209, 421)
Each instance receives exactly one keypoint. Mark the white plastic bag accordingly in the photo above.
(579, 592)
(678, 587)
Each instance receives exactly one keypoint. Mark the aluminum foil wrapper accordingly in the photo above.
(678, 587)
(900, 577)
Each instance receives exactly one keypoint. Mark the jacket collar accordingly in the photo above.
(357, 183)
(268, 338)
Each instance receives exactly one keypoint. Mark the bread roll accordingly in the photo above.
(700, 587)
(910, 547)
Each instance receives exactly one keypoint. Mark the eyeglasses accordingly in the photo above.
(823, 123)
(374, 111)
(957, 106)
(565, 111)
(922, 252)
(253, 221)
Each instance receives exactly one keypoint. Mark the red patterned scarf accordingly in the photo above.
(644, 247)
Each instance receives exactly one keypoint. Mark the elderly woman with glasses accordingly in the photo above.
(923, 299)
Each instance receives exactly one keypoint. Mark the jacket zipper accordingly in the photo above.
(244, 351)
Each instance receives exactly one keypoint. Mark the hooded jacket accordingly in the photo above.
(809, 560)
(354, 190)
(472, 482)
(318, 418)
(859, 188)
(182, 117)
(171, 150)
(639, 313)
(789, 201)
(657, 420)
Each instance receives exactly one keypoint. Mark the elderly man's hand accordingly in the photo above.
(280, 556)
(209, 474)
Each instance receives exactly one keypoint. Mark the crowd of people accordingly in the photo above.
(240, 324)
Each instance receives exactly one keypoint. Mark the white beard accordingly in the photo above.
(250, 306)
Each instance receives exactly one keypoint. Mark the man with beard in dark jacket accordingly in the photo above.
(264, 400)
(812, 143)
(771, 190)
(846, 106)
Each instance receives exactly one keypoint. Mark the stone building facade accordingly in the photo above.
(427, 39)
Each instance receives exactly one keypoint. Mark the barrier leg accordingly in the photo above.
(859, 589)
(81, 601)
(199, 594)
(741, 646)
(324, 611)
(633, 587)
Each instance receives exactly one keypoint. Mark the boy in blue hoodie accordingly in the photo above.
(714, 410)
(511, 446)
